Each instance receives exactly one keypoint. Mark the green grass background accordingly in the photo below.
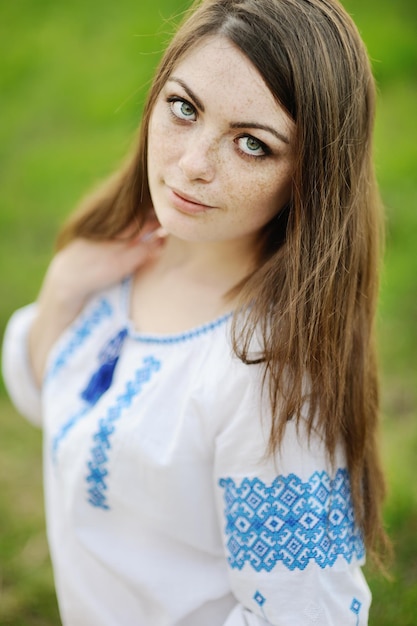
(72, 80)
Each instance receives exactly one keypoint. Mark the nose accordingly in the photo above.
(198, 157)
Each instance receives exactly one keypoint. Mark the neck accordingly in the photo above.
(189, 283)
(222, 263)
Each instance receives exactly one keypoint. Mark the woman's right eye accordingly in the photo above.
(182, 109)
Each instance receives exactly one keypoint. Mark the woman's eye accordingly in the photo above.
(182, 109)
(250, 145)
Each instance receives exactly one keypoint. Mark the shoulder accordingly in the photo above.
(104, 312)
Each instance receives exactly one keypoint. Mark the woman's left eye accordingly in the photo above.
(251, 146)
(182, 109)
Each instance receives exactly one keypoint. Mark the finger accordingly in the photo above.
(131, 234)
(152, 235)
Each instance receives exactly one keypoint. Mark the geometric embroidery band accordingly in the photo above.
(97, 466)
(290, 521)
(79, 335)
(98, 384)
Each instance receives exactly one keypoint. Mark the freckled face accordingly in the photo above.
(220, 154)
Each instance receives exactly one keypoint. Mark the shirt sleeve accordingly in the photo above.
(293, 550)
(17, 372)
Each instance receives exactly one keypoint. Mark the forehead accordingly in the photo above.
(221, 74)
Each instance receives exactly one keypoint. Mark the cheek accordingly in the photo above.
(261, 194)
(153, 139)
(158, 135)
(163, 146)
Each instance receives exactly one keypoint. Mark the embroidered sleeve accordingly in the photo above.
(17, 372)
(292, 547)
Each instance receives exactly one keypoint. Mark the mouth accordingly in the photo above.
(187, 203)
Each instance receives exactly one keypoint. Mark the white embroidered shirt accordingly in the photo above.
(162, 509)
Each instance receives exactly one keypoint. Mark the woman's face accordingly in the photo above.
(220, 153)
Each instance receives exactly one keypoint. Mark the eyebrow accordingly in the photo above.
(188, 91)
(269, 129)
(200, 105)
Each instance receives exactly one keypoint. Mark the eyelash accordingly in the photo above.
(266, 150)
(172, 100)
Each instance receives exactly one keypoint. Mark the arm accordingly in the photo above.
(294, 553)
(17, 373)
(80, 269)
(75, 273)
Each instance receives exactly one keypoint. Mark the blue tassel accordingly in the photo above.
(102, 379)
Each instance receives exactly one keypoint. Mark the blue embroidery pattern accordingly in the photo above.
(99, 383)
(260, 601)
(103, 377)
(97, 466)
(64, 430)
(355, 607)
(191, 334)
(290, 521)
(83, 331)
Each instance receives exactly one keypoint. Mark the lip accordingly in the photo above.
(187, 203)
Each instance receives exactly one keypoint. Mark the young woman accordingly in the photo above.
(201, 351)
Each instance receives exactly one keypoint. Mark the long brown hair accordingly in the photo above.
(313, 295)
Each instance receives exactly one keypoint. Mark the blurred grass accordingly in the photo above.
(72, 80)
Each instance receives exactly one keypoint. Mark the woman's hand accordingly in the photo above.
(75, 273)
